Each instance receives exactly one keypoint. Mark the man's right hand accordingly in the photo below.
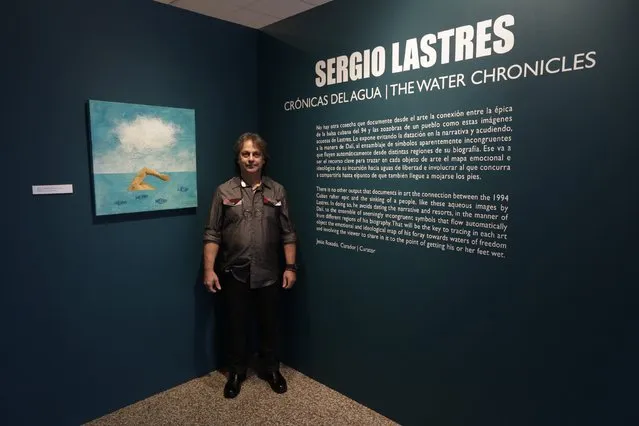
(211, 281)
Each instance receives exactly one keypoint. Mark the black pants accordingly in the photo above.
(244, 304)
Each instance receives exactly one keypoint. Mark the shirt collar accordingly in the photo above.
(238, 181)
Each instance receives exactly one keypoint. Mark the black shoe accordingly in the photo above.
(276, 380)
(233, 384)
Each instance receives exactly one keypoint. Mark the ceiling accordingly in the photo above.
(250, 13)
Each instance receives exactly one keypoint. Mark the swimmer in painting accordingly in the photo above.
(138, 184)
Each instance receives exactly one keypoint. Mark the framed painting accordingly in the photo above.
(143, 157)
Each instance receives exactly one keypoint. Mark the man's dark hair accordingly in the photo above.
(259, 144)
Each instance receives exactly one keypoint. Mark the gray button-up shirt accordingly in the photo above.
(250, 228)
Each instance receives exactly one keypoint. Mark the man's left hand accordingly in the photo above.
(289, 278)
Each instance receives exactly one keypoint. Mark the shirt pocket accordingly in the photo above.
(233, 210)
(271, 209)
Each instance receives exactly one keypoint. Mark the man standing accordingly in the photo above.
(248, 224)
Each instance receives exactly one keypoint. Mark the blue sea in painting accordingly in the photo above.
(113, 197)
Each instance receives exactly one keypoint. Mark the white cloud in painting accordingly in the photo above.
(146, 141)
(146, 134)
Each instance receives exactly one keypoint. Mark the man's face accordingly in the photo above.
(251, 159)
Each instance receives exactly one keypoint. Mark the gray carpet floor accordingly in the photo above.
(201, 402)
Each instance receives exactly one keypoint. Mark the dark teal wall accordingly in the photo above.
(546, 336)
(99, 313)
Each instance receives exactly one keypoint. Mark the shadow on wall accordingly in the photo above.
(208, 342)
(294, 317)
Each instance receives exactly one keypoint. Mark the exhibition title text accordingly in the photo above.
(485, 38)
